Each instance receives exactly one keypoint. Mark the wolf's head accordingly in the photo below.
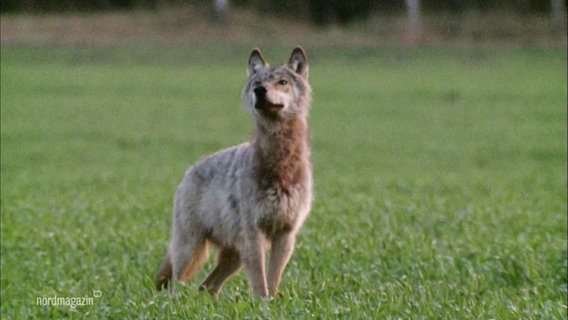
(277, 93)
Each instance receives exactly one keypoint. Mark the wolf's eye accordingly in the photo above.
(282, 82)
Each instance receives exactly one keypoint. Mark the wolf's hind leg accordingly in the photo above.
(228, 262)
(164, 273)
(187, 257)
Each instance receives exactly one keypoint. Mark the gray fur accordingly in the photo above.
(248, 196)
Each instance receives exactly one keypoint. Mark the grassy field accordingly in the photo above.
(440, 178)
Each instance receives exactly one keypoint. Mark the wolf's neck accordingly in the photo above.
(281, 152)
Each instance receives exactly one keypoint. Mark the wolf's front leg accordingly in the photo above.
(253, 261)
(282, 247)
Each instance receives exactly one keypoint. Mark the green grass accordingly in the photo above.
(440, 176)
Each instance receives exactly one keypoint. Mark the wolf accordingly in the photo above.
(252, 196)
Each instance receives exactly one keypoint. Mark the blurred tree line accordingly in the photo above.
(345, 11)
(317, 11)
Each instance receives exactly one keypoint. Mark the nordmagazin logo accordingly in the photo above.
(71, 302)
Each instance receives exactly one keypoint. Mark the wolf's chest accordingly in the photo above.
(280, 210)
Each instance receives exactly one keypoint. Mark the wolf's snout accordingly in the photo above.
(260, 92)
(263, 102)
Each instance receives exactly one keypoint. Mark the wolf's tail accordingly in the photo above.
(164, 273)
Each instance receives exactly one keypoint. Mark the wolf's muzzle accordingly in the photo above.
(260, 92)
(263, 104)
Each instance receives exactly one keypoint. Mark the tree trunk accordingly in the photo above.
(557, 14)
(221, 9)
(414, 25)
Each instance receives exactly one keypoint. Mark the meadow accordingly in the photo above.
(440, 177)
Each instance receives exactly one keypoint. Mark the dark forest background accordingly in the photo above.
(316, 11)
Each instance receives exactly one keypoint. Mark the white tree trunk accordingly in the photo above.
(221, 8)
(557, 13)
(414, 25)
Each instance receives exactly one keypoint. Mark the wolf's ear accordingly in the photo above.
(299, 62)
(256, 62)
